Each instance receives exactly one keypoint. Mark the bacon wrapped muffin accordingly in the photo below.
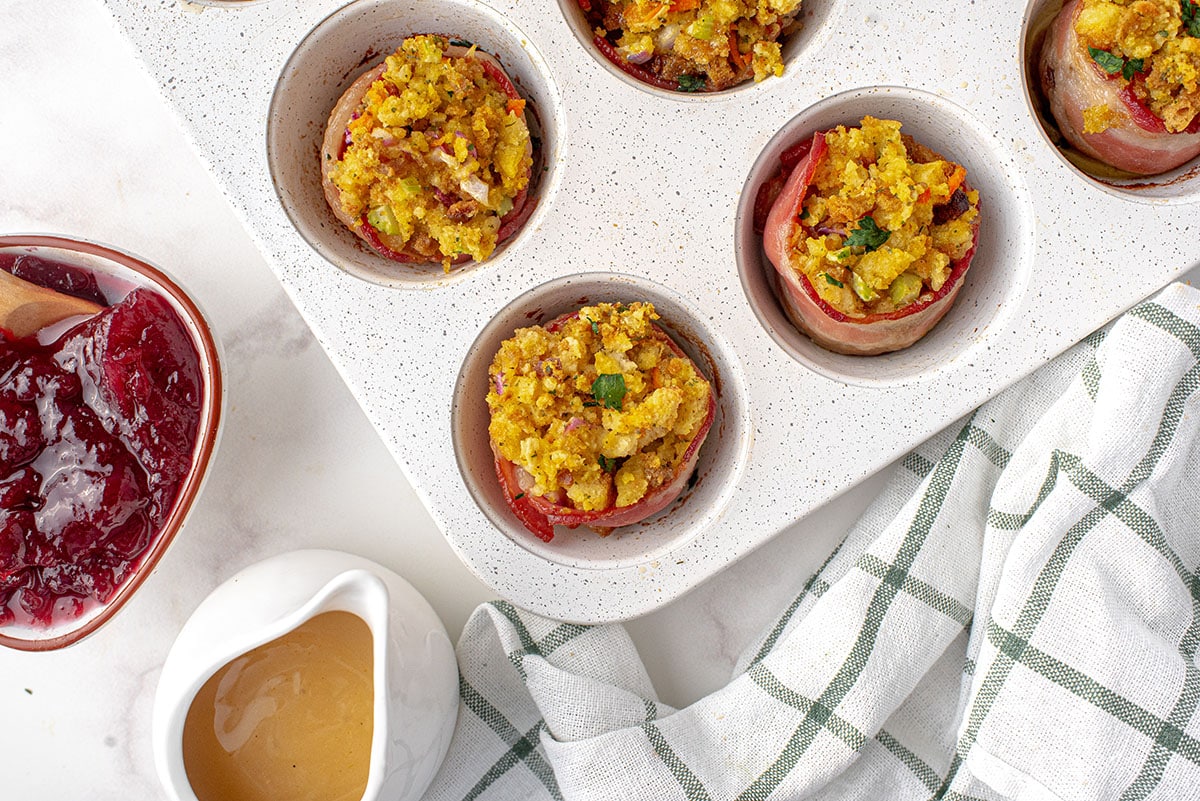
(871, 235)
(1122, 78)
(597, 419)
(693, 45)
(428, 156)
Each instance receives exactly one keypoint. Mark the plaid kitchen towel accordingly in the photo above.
(1017, 616)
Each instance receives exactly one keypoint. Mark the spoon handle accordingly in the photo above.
(26, 308)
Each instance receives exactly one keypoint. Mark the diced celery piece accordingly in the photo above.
(382, 219)
(862, 288)
(702, 28)
(905, 289)
(411, 187)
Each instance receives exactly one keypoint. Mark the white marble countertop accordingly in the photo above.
(89, 148)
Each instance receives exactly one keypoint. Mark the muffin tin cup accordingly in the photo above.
(652, 190)
(800, 48)
(723, 455)
(998, 274)
(338, 50)
(119, 273)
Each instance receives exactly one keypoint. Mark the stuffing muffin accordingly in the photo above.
(596, 418)
(1122, 78)
(428, 156)
(1148, 46)
(693, 45)
(871, 235)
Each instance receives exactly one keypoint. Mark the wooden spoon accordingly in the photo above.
(26, 308)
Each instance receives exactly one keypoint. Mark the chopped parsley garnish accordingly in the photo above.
(609, 389)
(868, 235)
(518, 496)
(1191, 17)
(1132, 66)
(1114, 64)
(803, 214)
(595, 327)
(691, 83)
(1107, 61)
(460, 43)
(829, 279)
(606, 464)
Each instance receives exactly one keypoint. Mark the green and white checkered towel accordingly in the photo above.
(1017, 616)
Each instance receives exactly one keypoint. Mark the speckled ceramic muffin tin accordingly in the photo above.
(648, 194)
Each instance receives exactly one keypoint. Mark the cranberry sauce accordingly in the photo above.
(65, 278)
(97, 431)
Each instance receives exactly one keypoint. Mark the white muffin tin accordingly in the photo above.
(648, 194)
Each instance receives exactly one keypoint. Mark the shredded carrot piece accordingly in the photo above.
(515, 106)
(735, 55)
(957, 177)
(651, 12)
(684, 5)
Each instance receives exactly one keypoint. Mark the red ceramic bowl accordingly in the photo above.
(117, 274)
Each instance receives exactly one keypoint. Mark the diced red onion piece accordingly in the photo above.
(475, 188)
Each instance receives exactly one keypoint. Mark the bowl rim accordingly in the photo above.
(206, 438)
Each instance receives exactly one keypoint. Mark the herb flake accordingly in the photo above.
(691, 83)
(868, 235)
(1113, 64)
(1191, 17)
(1107, 61)
(1132, 66)
(606, 464)
(829, 279)
(609, 390)
(595, 327)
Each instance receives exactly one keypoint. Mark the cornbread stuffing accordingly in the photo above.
(436, 154)
(694, 45)
(883, 221)
(598, 409)
(1151, 46)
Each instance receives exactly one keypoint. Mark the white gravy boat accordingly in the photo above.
(415, 675)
